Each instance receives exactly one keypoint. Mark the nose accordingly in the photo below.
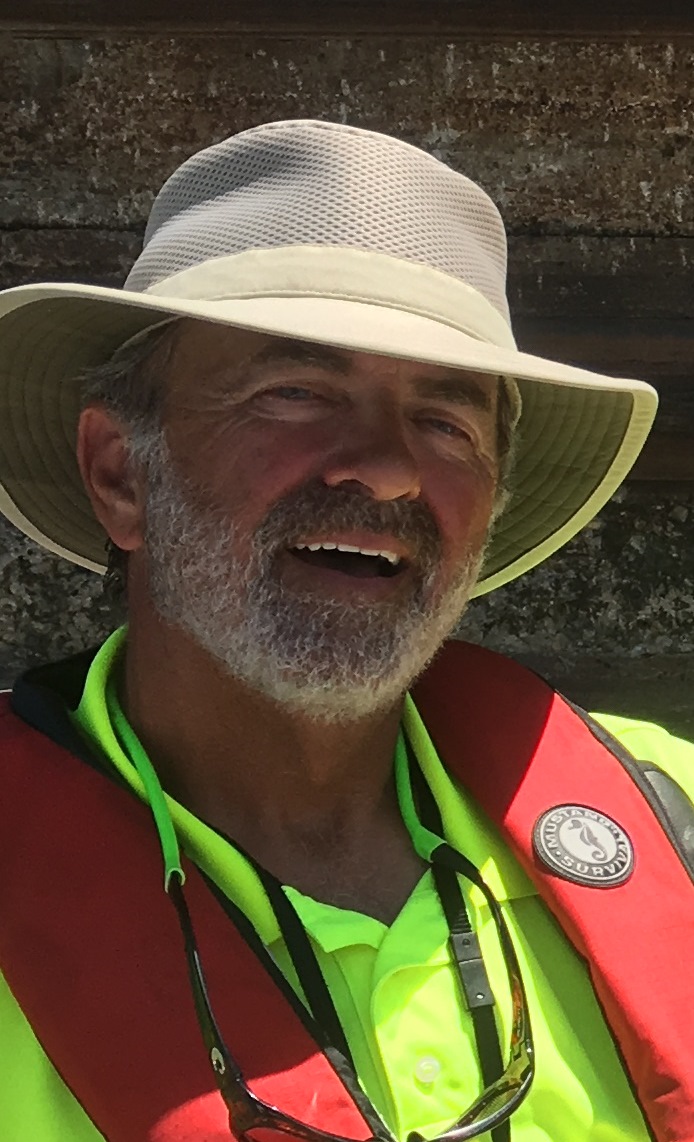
(378, 459)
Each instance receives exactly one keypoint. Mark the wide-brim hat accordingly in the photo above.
(331, 234)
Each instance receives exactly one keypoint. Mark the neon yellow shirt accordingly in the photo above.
(393, 987)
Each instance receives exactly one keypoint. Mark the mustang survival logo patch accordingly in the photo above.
(583, 845)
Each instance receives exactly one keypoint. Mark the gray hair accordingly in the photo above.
(132, 386)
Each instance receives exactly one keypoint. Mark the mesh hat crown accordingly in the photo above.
(315, 184)
(330, 234)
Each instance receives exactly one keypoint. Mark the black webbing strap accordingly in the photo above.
(305, 963)
(327, 1029)
(465, 948)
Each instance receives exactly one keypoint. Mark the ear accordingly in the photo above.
(116, 492)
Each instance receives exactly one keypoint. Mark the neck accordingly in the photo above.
(291, 791)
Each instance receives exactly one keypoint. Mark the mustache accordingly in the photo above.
(316, 507)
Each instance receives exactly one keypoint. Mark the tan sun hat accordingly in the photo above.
(330, 234)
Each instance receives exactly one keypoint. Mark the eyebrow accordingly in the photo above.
(455, 390)
(461, 389)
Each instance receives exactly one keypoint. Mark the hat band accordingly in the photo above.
(343, 274)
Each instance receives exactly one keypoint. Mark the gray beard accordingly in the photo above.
(330, 660)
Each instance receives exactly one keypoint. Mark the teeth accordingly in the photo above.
(390, 556)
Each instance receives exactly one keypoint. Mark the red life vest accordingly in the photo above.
(90, 947)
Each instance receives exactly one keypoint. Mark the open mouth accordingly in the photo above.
(353, 561)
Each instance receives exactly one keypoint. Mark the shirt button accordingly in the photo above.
(427, 1069)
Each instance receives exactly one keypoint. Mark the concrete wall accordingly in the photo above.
(588, 150)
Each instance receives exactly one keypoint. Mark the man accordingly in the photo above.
(306, 439)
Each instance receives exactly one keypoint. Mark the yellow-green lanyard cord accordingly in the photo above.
(156, 797)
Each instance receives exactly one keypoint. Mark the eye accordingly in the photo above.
(293, 402)
(291, 393)
(446, 427)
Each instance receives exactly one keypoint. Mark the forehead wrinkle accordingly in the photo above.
(292, 352)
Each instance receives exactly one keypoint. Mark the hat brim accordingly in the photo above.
(578, 435)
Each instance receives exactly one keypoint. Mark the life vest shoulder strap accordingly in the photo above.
(521, 750)
(90, 947)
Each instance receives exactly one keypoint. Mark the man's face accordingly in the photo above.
(316, 517)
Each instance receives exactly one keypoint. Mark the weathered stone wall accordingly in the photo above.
(588, 150)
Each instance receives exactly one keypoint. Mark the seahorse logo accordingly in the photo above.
(589, 839)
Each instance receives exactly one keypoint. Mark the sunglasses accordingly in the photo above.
(493, 1107)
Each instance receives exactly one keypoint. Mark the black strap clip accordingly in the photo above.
(465, 946)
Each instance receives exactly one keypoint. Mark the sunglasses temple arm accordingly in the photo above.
(220, 1059)
(246, 1112)
(468, 1127)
